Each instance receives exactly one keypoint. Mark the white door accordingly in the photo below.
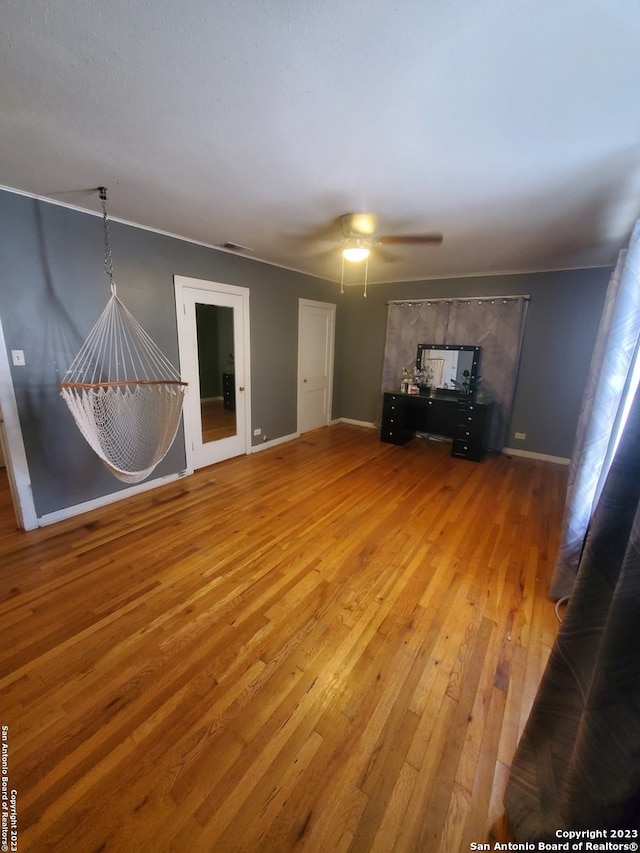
(213, 340)
(316, 323)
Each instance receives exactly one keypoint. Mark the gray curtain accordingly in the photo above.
(495, 324)
(410, 324)
(577, 765)
(605, 393)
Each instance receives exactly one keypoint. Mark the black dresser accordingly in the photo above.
(464, 420)
(229, 391)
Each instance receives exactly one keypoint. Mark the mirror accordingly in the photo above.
(448, 368)
(216, 370)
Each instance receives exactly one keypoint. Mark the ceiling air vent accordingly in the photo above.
(234, 247)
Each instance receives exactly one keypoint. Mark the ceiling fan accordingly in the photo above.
(360, 237)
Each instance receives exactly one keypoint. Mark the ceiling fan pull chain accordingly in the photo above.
(366, 275)
(342, 276)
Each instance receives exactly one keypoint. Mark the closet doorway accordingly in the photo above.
(316, 331)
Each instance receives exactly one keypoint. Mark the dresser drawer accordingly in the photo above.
(471, 419)
(397, 399)
(393, 429)
(395, 435)
(468, 432)
(470, 429)
(469, 437)
(464, 449)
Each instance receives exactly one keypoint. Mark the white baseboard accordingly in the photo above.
(97, 503)
(255, 448)
(87, 506)
(509, 451)
(356, 423)
(529, 454)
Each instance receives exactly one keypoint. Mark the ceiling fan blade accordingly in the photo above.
(384, 255)
(410, 239)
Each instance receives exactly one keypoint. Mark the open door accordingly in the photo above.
(213, 338)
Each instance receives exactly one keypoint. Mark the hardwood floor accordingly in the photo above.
(217, 422)
(330, 645)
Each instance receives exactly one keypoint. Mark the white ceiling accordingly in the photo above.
(511, 127)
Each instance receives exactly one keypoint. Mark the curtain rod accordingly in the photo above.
(524, 296)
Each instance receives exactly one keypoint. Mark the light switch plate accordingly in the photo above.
(17, 357)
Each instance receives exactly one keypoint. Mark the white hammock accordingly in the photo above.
(125, 395)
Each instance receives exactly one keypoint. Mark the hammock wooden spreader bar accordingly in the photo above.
(122, 382)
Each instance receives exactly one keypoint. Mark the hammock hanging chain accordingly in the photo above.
(108, 260)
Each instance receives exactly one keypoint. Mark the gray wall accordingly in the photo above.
(52, 289)
(562, 322)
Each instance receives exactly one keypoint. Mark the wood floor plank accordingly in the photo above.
(332, 644)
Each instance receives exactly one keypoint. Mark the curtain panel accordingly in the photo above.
(494, 323)
(612, 361)
(577, 765)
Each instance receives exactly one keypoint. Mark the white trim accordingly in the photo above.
(105, 500)
(181, 283)
(441, 277)
(529, 454)
(285, 438)
(13, 446)
(274, 442)
(160, 231)
(355, 423)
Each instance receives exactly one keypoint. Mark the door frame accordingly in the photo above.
(15, 456)
(331, 307)
(182, 283)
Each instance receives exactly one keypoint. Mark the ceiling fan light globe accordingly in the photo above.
(355, 254)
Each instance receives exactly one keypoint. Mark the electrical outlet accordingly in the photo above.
(17, 357)
(257, 431)
(520, 435)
